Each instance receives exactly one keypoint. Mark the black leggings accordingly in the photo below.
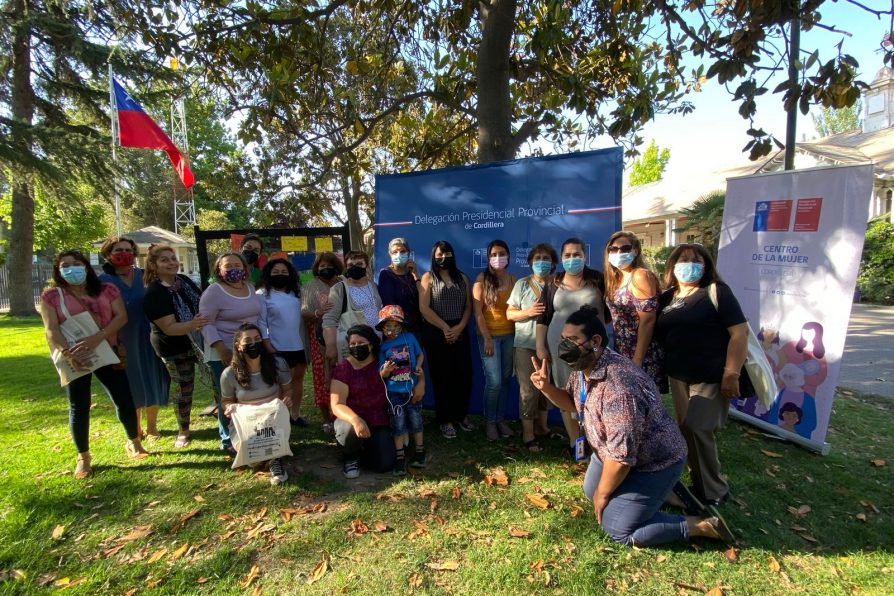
(375, 453)
(114, 380)
(450, 366)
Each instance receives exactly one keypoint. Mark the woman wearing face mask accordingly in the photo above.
(148, 377)
(631, 294)
(571, 289)
(172, 307)
(705, 347)
(254, 377)
(399, 283)
(227, 303)
(445, 301)
(280, 289)
(356, 293)
(327, 270)
(360, 406)
(524, 308)
(496, 332)
(252, 248)
(76, 283)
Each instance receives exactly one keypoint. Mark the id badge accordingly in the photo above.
(580, 449)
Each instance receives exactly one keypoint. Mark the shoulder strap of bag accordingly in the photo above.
(537, 291)
(712, 294)
(344, 298)
(65, 312)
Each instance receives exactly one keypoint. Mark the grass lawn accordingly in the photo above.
(182, 522)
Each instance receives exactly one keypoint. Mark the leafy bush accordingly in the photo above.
(656, 258)
(876, 278)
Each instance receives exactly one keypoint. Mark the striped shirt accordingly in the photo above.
(448, 302)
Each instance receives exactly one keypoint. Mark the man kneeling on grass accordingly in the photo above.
(638, 451)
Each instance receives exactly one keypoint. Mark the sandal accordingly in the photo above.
(135, 451)
(720, 529)
(533, 446)
(83, 469)
(181, 441)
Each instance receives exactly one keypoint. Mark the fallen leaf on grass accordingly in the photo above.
(773, 564)
(328, 466)
(715, 591)
(808, 537)
(427, 493)
(67, 582)
(199, 498)
(252, 576)
(58, 531)
(415, 580)
(137, 533)
(318, 571)
(259, 529)
(685, 586)
(661, 558)
(256, 591)
(421, 530)
(179, 552)
(157, 555)
(769, 453)
(191, 514)
(358, 528)
(731, 554)
(227, 535)
(800, 511)
(537, 500)
(496, 477)
(861, 517)
(380, 526)
(870, 505)
(455, 492)
(153, 583)
(434, 505)
(576, 510)
(202, 580)
(112, 551)
(445, 566)
(878, 463)
(519, 533)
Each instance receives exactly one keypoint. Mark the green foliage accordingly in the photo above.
(656, 259)
(650, 167)
(703, 219)
(830, 121)
(876, 279)
(211, 219)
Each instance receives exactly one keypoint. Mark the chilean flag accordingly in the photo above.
(137, 129)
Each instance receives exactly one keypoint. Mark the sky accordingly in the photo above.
(713, 136)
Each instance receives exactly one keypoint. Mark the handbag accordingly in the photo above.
(350, 317)
(757, 376)
(260, 432)
(318, 328)
(76, 328)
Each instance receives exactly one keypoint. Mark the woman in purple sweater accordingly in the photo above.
(399, 283)
(226, 304)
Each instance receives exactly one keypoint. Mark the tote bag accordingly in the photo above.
(77, 328)
(757, 371)
(260, 433)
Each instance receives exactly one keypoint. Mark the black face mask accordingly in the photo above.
(327, 273)
(250, 256)
(252, 350)
(355, 272)
(360, 352)
(577, 357)
(444, 262)
(279, 281)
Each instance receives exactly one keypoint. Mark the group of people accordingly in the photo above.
(369, 344)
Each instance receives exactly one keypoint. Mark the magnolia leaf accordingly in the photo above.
(445, 566)
(715, 591)
(661, 558)
(157, 555)
(136, 533)
(112, 551)
(519, 533)
(771, 453)
(415, 580)
(434, 505)
(537, 500)
(198, 498)
(179, 552)
(773, 564)
(731, 554)
(191, 514)
(455, 492)
(496, 477)
(252, 576)
(861, 517)
(318, 571)
(878, 463)
(58, 531)
(576, 510)
(427, 493)
(202, 580)
(380, 526)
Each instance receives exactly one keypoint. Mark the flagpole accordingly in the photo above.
(114, 115)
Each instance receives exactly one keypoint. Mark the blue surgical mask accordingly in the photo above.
(74, 275)
(400, 258)
(621, 260)
(689, 272)
(574, 265)
(541, 268)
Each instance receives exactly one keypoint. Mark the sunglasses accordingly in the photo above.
(622, 249)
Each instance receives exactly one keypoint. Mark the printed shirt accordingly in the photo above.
(366, 391)
(403, 350)
(100, 306)
(624, 417)
(523, 297)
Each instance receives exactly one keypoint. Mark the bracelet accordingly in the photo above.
(732, 372)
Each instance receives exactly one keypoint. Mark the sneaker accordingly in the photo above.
(299, 421)
(328, 429)
(491, 431)
(504, 429)
(418, 458)
(278, 474)
(351, 470)
(448, 431)
(466, 425)
(400, 464)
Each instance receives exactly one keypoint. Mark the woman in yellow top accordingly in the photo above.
(490, 296)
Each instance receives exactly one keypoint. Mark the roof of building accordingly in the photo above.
(154, 235)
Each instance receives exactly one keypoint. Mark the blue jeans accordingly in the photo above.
(405, 416)
(497, 371)
(631, 516)
(223, 421)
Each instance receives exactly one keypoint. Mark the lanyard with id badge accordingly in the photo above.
(580, 444)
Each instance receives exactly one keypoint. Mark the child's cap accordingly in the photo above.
(390, 312)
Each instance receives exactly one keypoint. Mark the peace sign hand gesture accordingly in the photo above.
(540, 376)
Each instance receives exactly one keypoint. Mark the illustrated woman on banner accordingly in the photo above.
(808, 348)
(795, 408)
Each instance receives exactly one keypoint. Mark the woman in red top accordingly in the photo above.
(360, 406)
(76, 283)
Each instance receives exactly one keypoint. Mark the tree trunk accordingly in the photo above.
(351, 195)
(495, 140)
(21, 237)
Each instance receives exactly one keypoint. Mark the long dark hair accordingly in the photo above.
(92, 285)
(240, 362)
(613, 275)
(367, 333)
(455, 274)
(106, 251)
(588, 275)
(818, 349)
(294, 281)
(709, 276)
(489, 278)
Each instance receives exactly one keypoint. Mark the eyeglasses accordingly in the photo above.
(622, 249)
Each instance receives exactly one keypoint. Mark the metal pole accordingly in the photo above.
(114, 116)
(791, 124)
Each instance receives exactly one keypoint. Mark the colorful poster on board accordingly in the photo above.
(523, 202)
(790, 250)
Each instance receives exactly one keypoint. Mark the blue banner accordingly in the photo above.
(523, 202)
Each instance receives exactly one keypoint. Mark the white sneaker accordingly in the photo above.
(278, 474)
(351, 470)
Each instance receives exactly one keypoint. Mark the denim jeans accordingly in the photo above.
(497, 371)
(114, 381)
(631, 516)
(223, 421)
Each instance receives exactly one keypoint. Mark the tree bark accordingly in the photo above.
(495, 142)
(21, 237)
